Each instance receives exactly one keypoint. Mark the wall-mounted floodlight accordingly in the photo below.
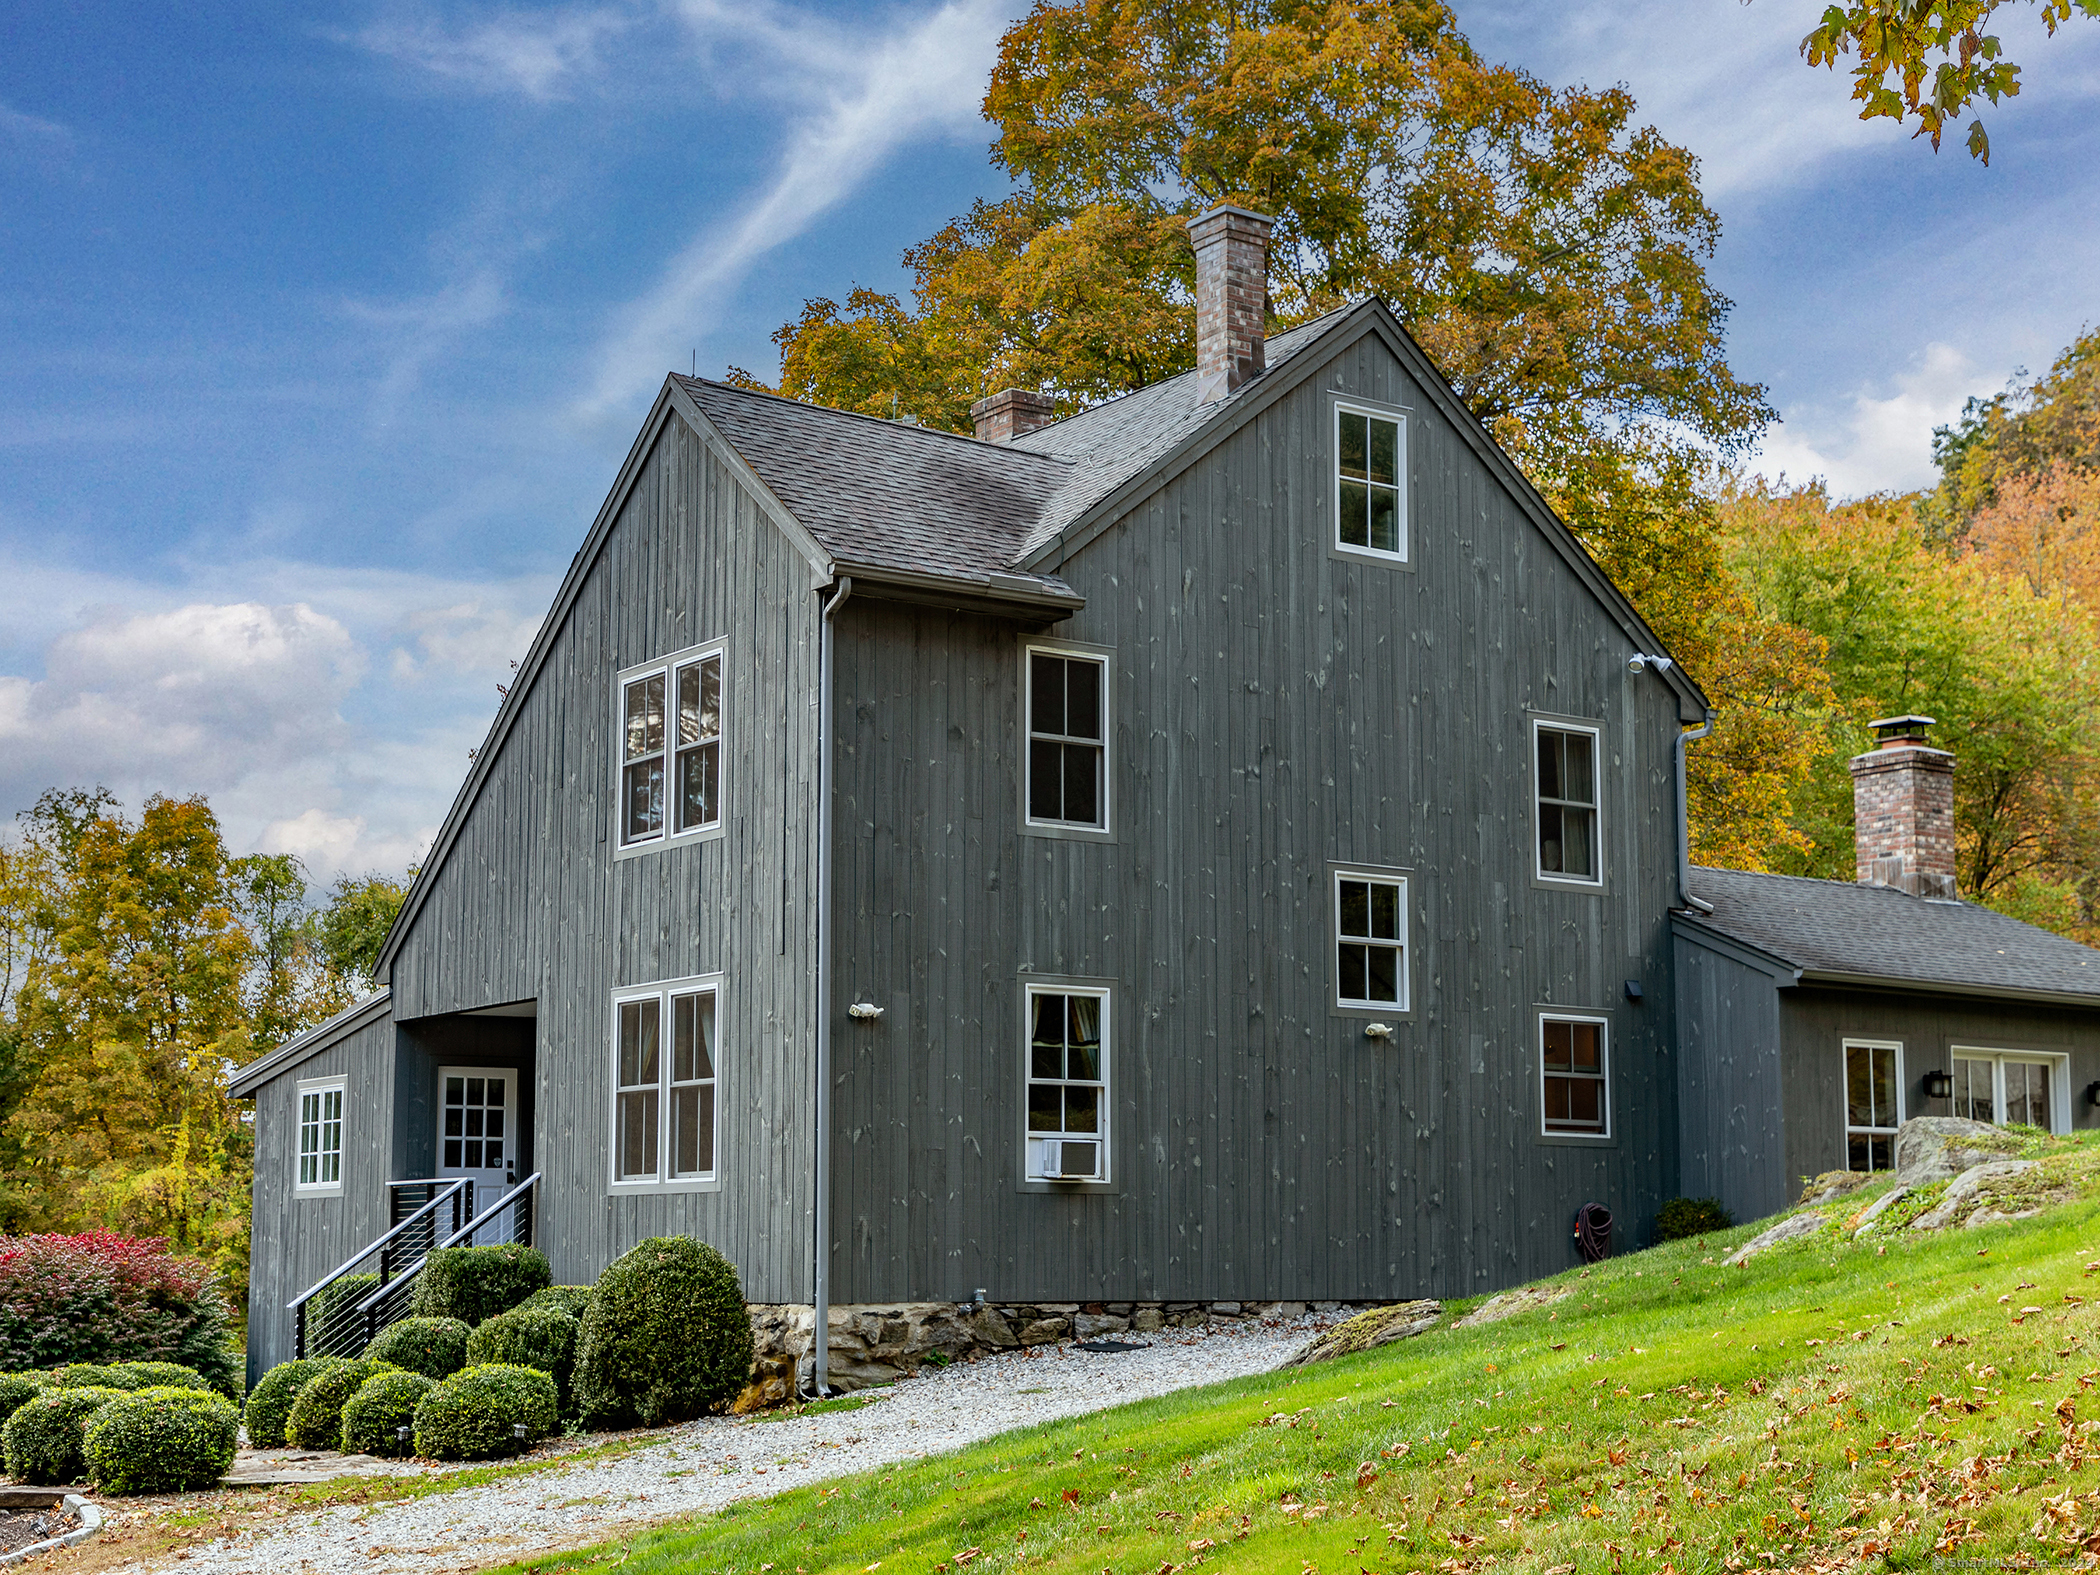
(864, 1011)
(1378, 1030)
(1641, 661)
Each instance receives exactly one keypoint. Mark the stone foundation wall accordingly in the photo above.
(879, 1343)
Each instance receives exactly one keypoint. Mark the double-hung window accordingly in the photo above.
(1068, 1047)
(1569, 844)
(665, 1056)
(1575, 1075)
(1873, 1103)
(2007, 1088)
(1067, 706)
(1370, 940)
(320, 1160)
(671, 749)
(1370, 482)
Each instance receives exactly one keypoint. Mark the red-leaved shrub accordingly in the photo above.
(101, 1297)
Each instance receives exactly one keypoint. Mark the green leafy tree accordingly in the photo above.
(353, 925)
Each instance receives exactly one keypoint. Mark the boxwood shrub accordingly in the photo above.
(270, 1402)
(434, 1347)
(160, 1375)
(18, 1389)
(316, 1420)
(386, 1403)
(332, 1305)
(88, 1375)
(474, 1414)
(473, 1283)
(165, 1439)
(1682, 1217)
(538, 1337)
(42, 1440)
(666, 1337)
(571, 1299)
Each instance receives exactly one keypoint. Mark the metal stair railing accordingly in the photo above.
(489, 1228)
(334, 1317)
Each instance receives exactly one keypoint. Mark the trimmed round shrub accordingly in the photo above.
(434, 1347)
(539, 1337)
(1682, 1217)
(375, 1415)
(666, 1338)
(87, 1375)
(474, 1414)
(42, 1440)
(316, 1420)
(473, 1283)
(166, 1439)
(571, 1299)
(18, 1389)
(270, 1402)
(160, 1375)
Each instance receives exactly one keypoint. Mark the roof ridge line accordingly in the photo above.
(882, 421)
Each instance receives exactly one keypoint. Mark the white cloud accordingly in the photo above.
(861, 103)
(325, 842)
(540, 56)
(468, 637)
(1878, 441)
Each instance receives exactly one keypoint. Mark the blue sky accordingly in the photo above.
(325, 328)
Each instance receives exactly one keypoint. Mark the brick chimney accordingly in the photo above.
(1903, 811)
(1012, 413)
(1232, 296)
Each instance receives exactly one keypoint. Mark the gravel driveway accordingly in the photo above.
(713, 1462)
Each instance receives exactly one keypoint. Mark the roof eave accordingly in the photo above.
(1028, 596)
(289, 1055)
(1993, 992)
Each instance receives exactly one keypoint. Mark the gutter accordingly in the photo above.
(1684, 819)
(820, 1332)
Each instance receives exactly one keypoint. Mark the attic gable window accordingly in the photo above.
(670, 743)
(1065, 702)
(1570, 845)
(1370, 482)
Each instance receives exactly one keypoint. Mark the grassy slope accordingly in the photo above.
(1832, 1401)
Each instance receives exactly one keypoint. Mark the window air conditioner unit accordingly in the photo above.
(1065, 1160)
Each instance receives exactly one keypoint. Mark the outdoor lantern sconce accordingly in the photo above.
(864, 1011)
(1378, 1030)
(1939, 1085)
(2092, 1095)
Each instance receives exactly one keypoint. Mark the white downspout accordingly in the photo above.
(820, 1334)
(1684, 820)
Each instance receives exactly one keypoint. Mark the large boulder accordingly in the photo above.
(1788, 1229)
(1369, 1330)
(2009, 1189)
(1937, 1148)
(1507, 1304)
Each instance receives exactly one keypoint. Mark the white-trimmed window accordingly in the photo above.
(1067, 705)
(1370, 482)
(1068, 1049)
(2008, 1087)
(1575, 1075)
(320, 1159)
(1370, 940)
(1873, 1103)
(665, 1058)
(670, 742)
(1570, 837)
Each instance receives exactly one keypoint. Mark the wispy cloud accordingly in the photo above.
(863, 100)
(415, 333)
(541, 55)
(27, 139)
(1881, 437)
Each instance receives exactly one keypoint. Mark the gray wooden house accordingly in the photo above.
(1221, 845)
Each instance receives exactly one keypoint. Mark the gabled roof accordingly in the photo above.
(308, 1045)
(1837, 932)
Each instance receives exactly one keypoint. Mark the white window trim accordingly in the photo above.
(1105, 655)
(320, 1085)
(2058, 1062)
(1404, 502)
(1388, 877)
(1105, 995)
(1538, 1052)
(668, 666)
(1852, 1042)
(712, 1181)
(1562, 724)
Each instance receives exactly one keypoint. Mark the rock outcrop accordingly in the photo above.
(2008, 1189)
(1508, 1304)
(1367, 1331)
(1938, 1148)
(1793, 1227)
(1832, 1185)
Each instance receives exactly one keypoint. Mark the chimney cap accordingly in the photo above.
(1893, 731)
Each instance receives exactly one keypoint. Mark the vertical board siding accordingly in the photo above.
(1275, 707)
(1734, 1097)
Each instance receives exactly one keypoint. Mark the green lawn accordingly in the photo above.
(1920, 1403)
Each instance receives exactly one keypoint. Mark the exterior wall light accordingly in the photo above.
(1641, 661)
(1378, 1030)
(1939, 1085)
(2092, 1095)
(864, 1011)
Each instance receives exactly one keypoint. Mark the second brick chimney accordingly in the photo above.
(1012, 413)
(1232, 296)
(1903, 811)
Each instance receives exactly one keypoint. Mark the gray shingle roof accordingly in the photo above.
(1838, 929)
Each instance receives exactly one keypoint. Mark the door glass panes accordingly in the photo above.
(2005, 1090)
(1066, 747)
(1067, 1086)
(1572, 1065)
(2027, 1094)
(692, 1085)
(1975, 1089)
(1873, 1108)
(1367, 486)
(636, 1102)
(1567, 803)
(699, 762)
(1368, 941)
(320, 1137)
(642, 759)
(476, 1123)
